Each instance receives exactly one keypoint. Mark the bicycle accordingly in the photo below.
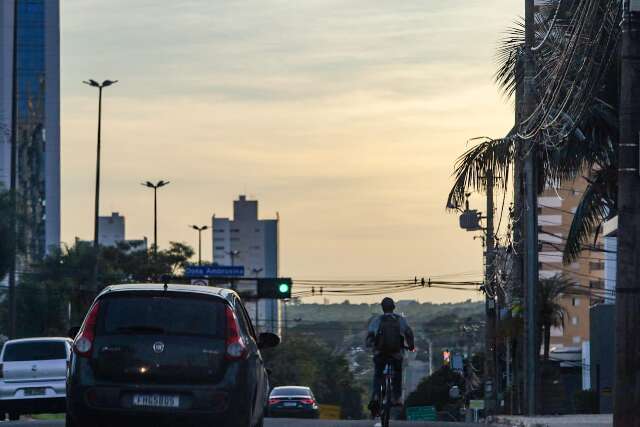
(386, 395)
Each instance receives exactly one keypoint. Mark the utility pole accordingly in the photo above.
(13, 183)
(490, 304)
(627, 382)
(531, 217)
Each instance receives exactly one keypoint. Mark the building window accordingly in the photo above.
(218, 239)
(596, 265)
(255, 248)
(577, 340)
(219, 248)
(575, 320)
(235, 239)
(235, 230)
(575, 302)
(596, 284)
(257, 230)
(219, 231)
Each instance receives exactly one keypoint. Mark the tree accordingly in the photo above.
(302, 361)
(60, 282)
(434, 390)
(550, 311)
(588, 141)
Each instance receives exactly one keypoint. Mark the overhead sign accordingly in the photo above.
(422, 413)
(214, 271)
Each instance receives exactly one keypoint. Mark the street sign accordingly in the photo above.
(477, 405)
(422, 413)
(214, 271)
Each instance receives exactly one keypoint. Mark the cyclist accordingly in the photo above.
(389, 334)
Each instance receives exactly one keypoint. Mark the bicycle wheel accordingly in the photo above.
(387, 403)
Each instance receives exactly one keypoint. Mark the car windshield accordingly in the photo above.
(34, 350)
(167, 315)
(291, 392)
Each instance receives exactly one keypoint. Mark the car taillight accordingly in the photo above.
(84, 341)
(236, 349)
(308, 401)
(274, 401)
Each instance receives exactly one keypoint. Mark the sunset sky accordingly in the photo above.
(344, 116)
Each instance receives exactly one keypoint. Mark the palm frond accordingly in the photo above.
(496, 155)
(597, 204)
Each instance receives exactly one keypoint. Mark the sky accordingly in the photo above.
(345, 117)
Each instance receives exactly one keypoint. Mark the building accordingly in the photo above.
(252, 243)
(556, 208)
(111, 229)
(37, 64)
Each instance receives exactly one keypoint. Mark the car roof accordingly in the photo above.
(295, 387)
(39, 339)
(170, 287)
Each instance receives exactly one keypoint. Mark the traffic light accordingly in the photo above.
(275, 288)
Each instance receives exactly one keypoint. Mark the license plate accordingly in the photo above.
(35, 391)
(156, 401)
(290, 404)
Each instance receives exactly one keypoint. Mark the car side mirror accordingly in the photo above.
(73, 332)
(268, 340)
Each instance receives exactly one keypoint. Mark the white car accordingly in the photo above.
(33, 374)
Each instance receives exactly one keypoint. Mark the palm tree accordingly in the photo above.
(588, 146)
(550, 312)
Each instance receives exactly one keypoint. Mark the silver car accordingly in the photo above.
(33, 375)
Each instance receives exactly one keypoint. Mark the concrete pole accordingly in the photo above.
(490, 304)
(627, 382)
(531, 218)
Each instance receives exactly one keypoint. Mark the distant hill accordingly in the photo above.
(415, 312)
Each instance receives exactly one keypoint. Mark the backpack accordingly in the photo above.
(389, 337)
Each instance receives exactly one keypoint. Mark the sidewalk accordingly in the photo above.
(605, 420)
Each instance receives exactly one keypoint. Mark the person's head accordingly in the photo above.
(388, 305)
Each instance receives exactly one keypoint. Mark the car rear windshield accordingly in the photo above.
(162, 315)
(30, 351)
(290, 392)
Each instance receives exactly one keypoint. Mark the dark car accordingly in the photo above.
(167, 355)
(295, 402)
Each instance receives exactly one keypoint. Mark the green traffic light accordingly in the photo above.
(283, 288)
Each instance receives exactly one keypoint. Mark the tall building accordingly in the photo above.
(556, 208)
(252, 243)
(37, 63)
(112, 229)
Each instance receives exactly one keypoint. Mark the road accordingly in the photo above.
(278, 423)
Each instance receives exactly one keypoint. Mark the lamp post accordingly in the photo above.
(100, 86)
(155, 187)
(233, 255)
(200, 230)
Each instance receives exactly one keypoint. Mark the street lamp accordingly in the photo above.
(155, 187)
(200, 230)
(96, 225)
(233, 255)
(100, 86)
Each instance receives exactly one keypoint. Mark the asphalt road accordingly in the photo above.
(278, 423)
